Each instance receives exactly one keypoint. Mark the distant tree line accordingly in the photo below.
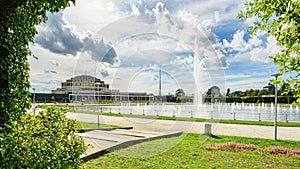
(266, 95)
(252, 99)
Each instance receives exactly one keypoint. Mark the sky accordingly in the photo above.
(195, 43)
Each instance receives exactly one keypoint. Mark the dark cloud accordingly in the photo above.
(59, 37)
(50, 71)
(54, 63)
(101, 52)
(104, 73)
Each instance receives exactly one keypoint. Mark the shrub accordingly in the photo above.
(46, 140)
(233, 146)
(278, 150)
(240, 147)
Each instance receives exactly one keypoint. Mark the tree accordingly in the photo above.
(237, 94)
(208, 92)
(255, 92)
(261, 92)
(249, 92)
(180, 95)
(280, 19)
(270, 89)
(43, 141)
(17, 29)
(228, 92)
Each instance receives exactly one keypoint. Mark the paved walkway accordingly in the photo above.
(102, 141)
(168, 126)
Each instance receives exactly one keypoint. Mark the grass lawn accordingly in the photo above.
(87, 125)
(187, 151)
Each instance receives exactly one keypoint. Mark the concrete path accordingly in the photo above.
(102, 141)
(168, 126)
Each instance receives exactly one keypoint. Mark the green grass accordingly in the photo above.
(243, 122)
(87, 125)
(187, 152)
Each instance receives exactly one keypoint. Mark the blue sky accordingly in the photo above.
(196, 43)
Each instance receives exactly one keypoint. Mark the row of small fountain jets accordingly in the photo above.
(219, 106)
(218, 110)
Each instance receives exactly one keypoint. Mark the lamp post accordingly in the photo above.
(33, 100)
(275, 114)
(97, 84)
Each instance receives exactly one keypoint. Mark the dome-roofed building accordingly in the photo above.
(81, 83)
(88, 88)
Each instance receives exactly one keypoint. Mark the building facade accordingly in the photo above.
(86, 88)
(81, 83)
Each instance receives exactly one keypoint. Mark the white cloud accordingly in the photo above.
(237, 76)
(45, 74)
(210, 13)
(177, 61)
(181, 47)
(92, 16)
(261, 54)
(217, 16)
(255, 41)
(189, 17)
(111, 7)
(160, 9)
(239, 57)
(135, 10)
(239, 44)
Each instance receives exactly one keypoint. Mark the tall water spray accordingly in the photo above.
(197, 78)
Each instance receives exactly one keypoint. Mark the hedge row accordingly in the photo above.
(253, 99)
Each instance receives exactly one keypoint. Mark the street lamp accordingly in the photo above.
(33, 100)
(275, 114)
(98, 84)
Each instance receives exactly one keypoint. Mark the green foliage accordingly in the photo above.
(17, 29)
(280, 19)
(46, 140)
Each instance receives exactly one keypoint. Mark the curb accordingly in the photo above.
(104, 129)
